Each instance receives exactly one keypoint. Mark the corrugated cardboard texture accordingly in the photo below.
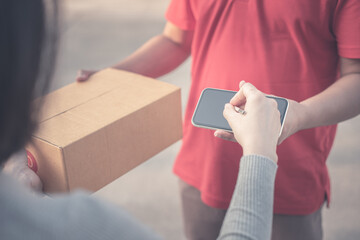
(104, 127)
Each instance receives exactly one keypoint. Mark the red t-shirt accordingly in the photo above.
(288, 48)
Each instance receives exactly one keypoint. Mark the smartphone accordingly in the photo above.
(210, 107)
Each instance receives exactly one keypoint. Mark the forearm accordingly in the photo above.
(250, 213)
(156, 57)
(339, 102)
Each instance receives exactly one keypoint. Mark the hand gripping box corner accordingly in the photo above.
(93, 132)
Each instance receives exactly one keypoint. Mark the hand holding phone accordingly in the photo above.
(210, 107)
(257, 131)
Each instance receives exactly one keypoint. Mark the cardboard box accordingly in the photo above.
(93, 132)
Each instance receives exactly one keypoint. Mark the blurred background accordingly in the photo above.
(96, 34)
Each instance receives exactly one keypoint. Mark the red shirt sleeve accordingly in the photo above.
(180, 13)
(347, 28)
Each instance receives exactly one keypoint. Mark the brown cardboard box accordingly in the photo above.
(93, 132)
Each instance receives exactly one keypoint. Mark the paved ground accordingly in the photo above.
(96, 34)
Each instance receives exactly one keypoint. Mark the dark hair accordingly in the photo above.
(28, 32)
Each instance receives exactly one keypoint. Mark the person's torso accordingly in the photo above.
(285, 48)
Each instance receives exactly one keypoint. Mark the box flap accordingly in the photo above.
(78, 93)
(79, 109)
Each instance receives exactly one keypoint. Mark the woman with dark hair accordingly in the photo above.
(27, 53)
(22, 26)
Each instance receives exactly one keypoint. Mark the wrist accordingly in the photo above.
(303, 115)
(265, 151)
(297, 118)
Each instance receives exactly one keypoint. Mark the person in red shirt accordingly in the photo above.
(307, 51)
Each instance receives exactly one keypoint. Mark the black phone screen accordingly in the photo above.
(210, 107)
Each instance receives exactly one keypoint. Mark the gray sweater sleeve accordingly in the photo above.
(78, 216)
(251, 209)
(24, 215)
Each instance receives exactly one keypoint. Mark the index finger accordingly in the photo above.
(245, 91)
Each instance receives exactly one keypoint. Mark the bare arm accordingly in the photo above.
(161, 54)
(337, 103)
(340, 101)
(158, 56)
